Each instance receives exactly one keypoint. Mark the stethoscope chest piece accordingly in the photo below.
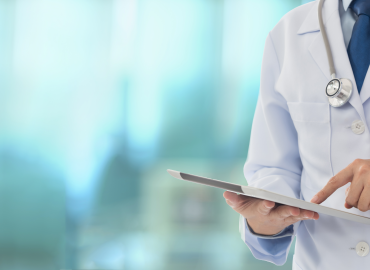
(338, 91)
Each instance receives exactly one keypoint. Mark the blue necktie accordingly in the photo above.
(359, 46)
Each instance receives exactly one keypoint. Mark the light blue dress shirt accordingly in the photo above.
(271, 245)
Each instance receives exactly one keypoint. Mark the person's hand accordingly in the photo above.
(358, 193)
(264, 217)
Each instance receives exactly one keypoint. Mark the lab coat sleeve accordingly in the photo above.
(273, 160)
(267, 246)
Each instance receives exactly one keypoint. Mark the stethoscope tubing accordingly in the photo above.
(338, 90)
(326, 41)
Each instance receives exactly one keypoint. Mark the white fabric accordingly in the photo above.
(299, 142)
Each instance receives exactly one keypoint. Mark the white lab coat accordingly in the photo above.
(299, 142)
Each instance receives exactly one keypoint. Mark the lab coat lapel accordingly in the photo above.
(317, 47)
(341, 61)
(365, 90)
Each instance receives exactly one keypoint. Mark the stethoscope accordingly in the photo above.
(338, 91)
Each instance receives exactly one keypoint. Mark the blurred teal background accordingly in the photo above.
(98, 98)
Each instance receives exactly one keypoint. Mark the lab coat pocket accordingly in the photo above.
(312, 123)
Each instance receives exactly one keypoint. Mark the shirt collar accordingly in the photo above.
(346, 4)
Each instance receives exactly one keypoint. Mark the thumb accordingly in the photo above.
(347, 191)
(234, 200)
(248, 206)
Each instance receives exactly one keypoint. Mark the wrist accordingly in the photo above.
(259, 229)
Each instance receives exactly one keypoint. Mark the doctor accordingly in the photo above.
(303, 147)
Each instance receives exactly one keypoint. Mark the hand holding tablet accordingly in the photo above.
(263, 216)
(267, 217)
(271, 198)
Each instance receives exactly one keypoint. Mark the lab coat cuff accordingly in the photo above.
(274, 250)
(288, 231)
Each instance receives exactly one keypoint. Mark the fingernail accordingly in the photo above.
(230, 203)
(268, 206)
(315, 199)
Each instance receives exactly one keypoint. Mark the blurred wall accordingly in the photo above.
(98, 98)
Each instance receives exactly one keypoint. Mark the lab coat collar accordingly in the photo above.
(335, 35)
(311, 23)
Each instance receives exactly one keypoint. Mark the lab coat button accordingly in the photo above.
(358, 127)
(362, 249)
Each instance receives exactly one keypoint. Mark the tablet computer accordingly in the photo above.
(271, 196)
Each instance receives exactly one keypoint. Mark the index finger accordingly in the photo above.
(339, 180)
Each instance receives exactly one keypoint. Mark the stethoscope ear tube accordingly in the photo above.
(338, 91)
(326, 41)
